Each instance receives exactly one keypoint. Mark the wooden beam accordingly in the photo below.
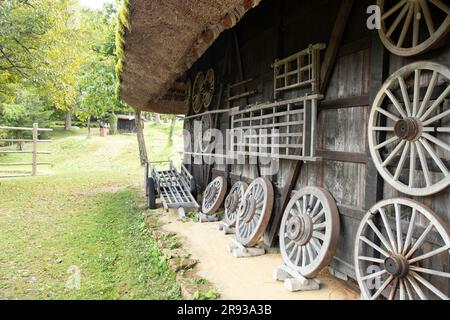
(379, 71)
(350, 157)
(334, 43)
(351, 102)
(274, 226)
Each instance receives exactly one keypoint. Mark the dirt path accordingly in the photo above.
(245, 278)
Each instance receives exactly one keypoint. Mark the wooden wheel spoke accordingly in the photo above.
(385, 129)
(427, 15)
(417, 74)
(433, 107)
(419, 241)
(382, 288)
(396, 104)
(318, 216)
(376, 247)
(402, 290)
(429, 286)
(374, 275)
(402, 161)
(435, 157)
(416, 288)
(380, 235)
(429, 254)
(388, 227)
(412, 165)
(416, 25)
(394, 289)
(430, 271)
(406, 25)
(320, 226)
(388, 114)
(437, 141)
(398, 20)
(398, 226)
(441, 5)
(370, 259)
(409, 234)
(393, 154)
(424, 164)
(386, 143)
(394, 9)
(405, 95)
(428, 94)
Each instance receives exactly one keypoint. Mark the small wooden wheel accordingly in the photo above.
(188, 96)
(402, 252)
(197, 89)
(412, 27)
(208, 89)
(407, 136)
(207, 135)
(309, 231)
(214, 195)
(254, 212)
(233, 201)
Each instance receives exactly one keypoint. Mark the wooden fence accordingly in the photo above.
(34, 151)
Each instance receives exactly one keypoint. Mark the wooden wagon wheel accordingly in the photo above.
(207, 135)
(412, 27)
(233, 201)
(188, 96)
(254, 212)
(214, 195)
(415, 133)
(395, 260)
(208, 89)
(197, 89)
(309, 231)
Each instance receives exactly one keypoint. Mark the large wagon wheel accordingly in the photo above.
(411, 27)
(214, 195)
(413, 134)
(309, 231)
(197, 92)
(233, 201)
(395, 259)
(208, 89)
(254, 212)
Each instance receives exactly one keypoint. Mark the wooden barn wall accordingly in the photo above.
(279, 28)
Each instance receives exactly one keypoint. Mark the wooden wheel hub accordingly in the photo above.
(300, 229)
(407, 129)
(210, 193)
(397, 265)
(248, 209)
(232, 202)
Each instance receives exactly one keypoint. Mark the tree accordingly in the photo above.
(140, 137)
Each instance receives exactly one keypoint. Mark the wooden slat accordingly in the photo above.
(350, 157)
(345, 103)
(334, 43)
(23, 129)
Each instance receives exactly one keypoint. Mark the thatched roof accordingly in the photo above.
(163, 40)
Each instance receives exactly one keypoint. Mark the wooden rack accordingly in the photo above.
(299, 70)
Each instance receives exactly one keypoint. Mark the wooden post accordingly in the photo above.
(35, 139)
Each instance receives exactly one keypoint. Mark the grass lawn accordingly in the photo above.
(82, 222)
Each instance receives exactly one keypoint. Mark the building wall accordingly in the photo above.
(277, 29)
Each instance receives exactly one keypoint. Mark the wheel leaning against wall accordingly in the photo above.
(233, 201)
(309, 231)
(412, 27)
(214, 195)
(401, 252)
(209, 85)
(254, 212)
(409, 129)
(197, 92)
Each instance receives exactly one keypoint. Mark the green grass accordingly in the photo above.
(85, 214)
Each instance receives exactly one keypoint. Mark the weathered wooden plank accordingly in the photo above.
(352, 157)
(344, 103)
(334, 43)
